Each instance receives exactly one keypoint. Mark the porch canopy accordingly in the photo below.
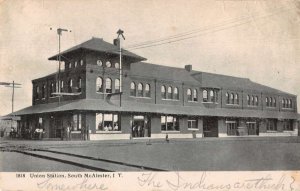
(129, 106)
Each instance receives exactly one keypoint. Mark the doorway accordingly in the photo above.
(210, 127)
(141, 126)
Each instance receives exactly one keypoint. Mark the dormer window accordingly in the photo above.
(99, 62)
(108, 64)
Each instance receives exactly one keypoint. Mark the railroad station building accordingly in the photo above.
(154, 100)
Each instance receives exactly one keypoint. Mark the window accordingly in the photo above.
(170, 93)
(267, 101)
(231, 98)
(290, 103)
(108, 64)
(256, 100)
(70, 85)
(231, 127)
(117, 85)
(248, 99)
(176, 93)
(192, 123)
(205, 97)
(70, 65)
(252, 100)
(99, 62)
(169, 123)
(76, 125)
(81, 62)
(288, 125)
(108, 85)
(79, 84)
(37, 92)
(75, 64)
(117, 65)
(140, 90)
(147, 90)
(61, 86)
(67, 65)
(237, 99)
(195, 95)
(44, 91)
(132, 89)
(212, 95)
(227, 98)
(274, 102)
(99, 85)
(163, 92)
(107, 122)
(271, 125)
(189, 94)
(271, 102)
(51, 89)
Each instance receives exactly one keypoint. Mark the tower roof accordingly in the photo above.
(99, 45)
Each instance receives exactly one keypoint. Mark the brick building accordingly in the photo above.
(155, 100)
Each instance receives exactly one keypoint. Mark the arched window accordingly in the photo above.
(271, 102)
(75, 64)
(79, 82)
(204, 95)
(252, 100)
(189, 94)
(231, 98)
(108, 64)
(283, 103)
(51, 89)
(70, 85)
(37, 92)
(291, 104)
(227, 98)
(108, 84)
(81, 62)
(117, 85)
(132, 89)
(62, 86)
(147, 90)
(170, 93)
(248, 99)
(44, 91)
(163, 92)
(99, 85)
(212, 95)
(195, 95)
(274, 102)
(140, 90)
(267, 101)
(99, 62)
(176, 93)
(117, 65)
(237, 101)
(256, 100)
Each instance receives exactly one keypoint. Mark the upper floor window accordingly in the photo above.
(170, 93)
(37, 92)
(237, 99)
(132, 89)
(75, 64)
(117, 85)
(70, 85)
(52, 89)
(108, 84)
(256, 100)
(140, 90)
(252, 100)
(189, 94)
(227, 98)
(248, 99)
(267, 101)
(195, 95)
(274, 102)
(108, 64)
(79, 84)
(61, 86)
(81, 62)
(99, 62)
(147, 90)
(271, 102)
(99, 85)
(44, 91)
(163, 92)
(231, 98)
(117, 65)
(176, 93)
(205, 96)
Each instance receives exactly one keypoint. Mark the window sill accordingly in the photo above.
(141, 97)
(253, 106)
(272, 131)
(192, 101)
(76, 132)
(232, 104)
(193, 129)
(209, 102)
(170, 99)
(108, 132)
(170, 132)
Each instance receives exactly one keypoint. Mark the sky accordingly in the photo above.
(255, 39)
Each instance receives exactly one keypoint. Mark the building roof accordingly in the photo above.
(99, 45)
(128, 106)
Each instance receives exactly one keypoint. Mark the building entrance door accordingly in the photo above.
(210, 127)
(141, 126)
(252, 128)
(59, 131)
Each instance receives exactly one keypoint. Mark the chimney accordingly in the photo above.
(188, 68)
(117, 42)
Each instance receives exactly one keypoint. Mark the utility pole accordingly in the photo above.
(59, 33)
(12, 85)
(120, 33)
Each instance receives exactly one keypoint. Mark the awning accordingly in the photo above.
(130, 106)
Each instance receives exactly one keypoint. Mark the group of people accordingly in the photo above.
(139, 131)
(67, 135)
(108, 127)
